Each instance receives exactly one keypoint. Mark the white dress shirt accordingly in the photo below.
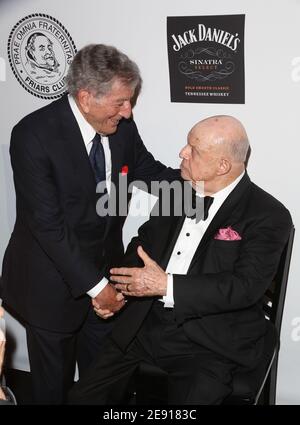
(189, 238)
(88, 133)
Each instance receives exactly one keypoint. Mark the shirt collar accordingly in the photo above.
(222, 194)
(87, 131)
(220, 197)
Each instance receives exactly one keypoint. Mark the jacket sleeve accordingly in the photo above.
(148, 169)
(41, 211)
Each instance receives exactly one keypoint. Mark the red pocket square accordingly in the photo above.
(227, 234)
(124, 170)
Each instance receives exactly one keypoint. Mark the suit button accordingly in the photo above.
(188, 234)
(178, 253)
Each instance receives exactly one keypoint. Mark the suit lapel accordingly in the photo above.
(174, 231)
(170, 228)
(116, 146)
(225, 213)
(75, 148)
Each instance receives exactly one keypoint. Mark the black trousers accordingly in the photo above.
(53, 357)
(195, 374)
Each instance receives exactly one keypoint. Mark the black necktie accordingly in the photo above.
(97, 159)
(200, 204)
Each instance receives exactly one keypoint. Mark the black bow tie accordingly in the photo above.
(200, 207)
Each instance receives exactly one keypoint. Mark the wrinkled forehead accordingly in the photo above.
(215, 131)
(200, 136)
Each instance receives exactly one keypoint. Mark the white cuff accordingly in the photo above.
(98, 288)
(168, 298)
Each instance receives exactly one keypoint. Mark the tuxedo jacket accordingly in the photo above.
(60, 248)
(218, 302)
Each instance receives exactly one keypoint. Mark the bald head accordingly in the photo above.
(224, 133)
(215, 153)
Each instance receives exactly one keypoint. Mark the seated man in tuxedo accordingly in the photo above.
(195, 287)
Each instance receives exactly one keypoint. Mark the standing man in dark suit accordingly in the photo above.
(61, 248)
(195, 288)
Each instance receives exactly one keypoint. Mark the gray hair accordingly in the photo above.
(238, 149)
(96, 66)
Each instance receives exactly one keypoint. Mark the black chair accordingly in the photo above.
(257, 386)
(10, 397)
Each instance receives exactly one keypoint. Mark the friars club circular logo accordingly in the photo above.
(40, 51)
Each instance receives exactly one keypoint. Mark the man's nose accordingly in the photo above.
(185, 152)
(126, 109)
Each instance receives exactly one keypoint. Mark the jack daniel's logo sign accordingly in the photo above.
(202, 33)
(206, 58)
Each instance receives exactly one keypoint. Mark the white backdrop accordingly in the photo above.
(270, 114)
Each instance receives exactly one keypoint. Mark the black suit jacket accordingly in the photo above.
(218, 302)
(60, 248)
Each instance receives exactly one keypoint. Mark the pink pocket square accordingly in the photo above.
(227, 234)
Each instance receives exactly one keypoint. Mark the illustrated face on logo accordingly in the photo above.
(39, 50)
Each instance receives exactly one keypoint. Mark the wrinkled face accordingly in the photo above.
(43, 51)
(200, 159)
(104, 114)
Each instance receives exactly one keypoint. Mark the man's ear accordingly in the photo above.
(224, 166)
(84, 99)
